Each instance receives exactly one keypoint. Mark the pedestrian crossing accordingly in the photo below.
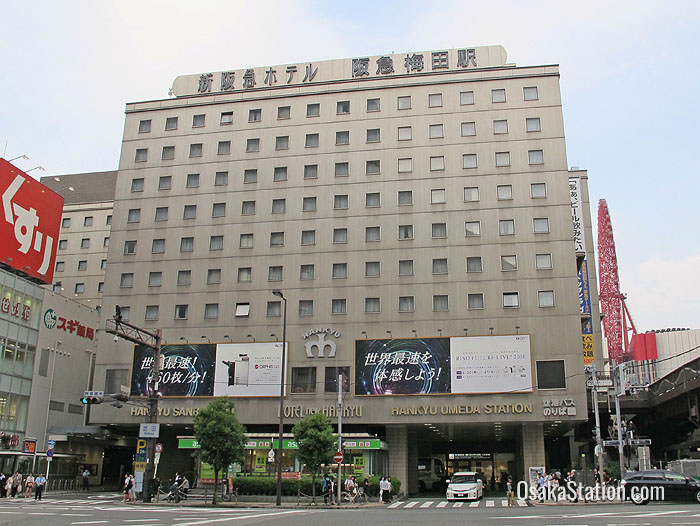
(440, 504)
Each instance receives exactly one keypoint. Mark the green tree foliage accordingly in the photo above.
(221, 437)
(316, 443)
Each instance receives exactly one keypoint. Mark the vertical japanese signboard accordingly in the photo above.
(584, 294)
(29, 225)
(577, 214)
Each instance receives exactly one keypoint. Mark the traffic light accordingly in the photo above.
(92, 399)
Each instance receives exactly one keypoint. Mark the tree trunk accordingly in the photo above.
(216, 485)
(313, 488)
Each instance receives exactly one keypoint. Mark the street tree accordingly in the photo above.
(221, 437)
(316, 444)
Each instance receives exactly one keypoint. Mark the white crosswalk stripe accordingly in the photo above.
(504, 503)
(522, 502)
(474, 504)
(458, 504)
(425, 504)
(441, 504)
(490, 504)
(395, 504)
(411, 504)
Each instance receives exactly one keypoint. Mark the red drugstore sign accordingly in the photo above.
(29, 223)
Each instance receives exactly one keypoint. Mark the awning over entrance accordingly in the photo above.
(256, 441)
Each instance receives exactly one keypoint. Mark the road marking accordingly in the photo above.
(411, 504)
(490, 504)
(141, 520)
(521, 502)
(685, 523)
(90, 522)
(458, 504)
(76, 514)
(441, 504)
(632, 524)
(52, 513)
(15, 512)
(474, 504)
(255, 516)
(427, 504)
(395, 504)
(504, 503)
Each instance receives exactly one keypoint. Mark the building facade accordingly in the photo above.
(419, 202)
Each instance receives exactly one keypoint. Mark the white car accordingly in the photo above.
(465, 485)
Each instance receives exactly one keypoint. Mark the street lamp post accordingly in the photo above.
(279, 294)
(48, 407)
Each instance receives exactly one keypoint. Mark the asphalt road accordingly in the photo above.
(107, 510)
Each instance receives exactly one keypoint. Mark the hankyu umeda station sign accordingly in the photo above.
(351, 69)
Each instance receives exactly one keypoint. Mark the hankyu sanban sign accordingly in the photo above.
(29, 223)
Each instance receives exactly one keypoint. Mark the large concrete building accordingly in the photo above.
(416, 202)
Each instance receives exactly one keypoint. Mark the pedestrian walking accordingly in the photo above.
(28, 486)
(126, 488)
(130, 486)
(86, 479)
(381, 489)
(16, 484)
(8, 486)
(510, 492)
(387, 492)
(325, 488)
(39, 484)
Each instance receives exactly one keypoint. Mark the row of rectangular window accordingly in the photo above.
(84, 243)
(403, 102)
(372, 305)
(82, 265)
(87, 221)
(80, 288)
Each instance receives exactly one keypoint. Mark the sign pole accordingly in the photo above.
(598, 440)
(340, 433)
(152, 418)
(619, 388)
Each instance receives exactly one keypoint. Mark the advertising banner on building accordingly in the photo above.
(460, 365)
(577, 214)
(584, 294)
(209, 369)
(30, 223)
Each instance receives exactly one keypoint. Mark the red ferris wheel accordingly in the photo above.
(612, 301)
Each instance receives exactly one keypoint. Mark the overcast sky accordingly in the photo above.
(629, 81)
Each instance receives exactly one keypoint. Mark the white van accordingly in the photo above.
(465, 485)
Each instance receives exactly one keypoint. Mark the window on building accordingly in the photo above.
(158, 246)
(538, 190)
(250, 176)
(198, 120)
(373, 167)
(439, 230)
(439, 265)
(108, 219)
(372, 199)
(308, 204)
(372, 269)
(405, 165)
(466, 98)
(340, 202)
(196, 150)
(543, 261)
(279, 206)
(165, 182)
(145, 126)
(469, 160)
(130, 247)
(405, 197)
(161, 213)
(184, 277)
(551, 374)
(65, 222)
(189, 212)
(342, 137)
(284, 112)
(502, 158)
(343, 107)
(331, 379)
(468, 129)
(168, 153)
(506, 227)
(532, 124)
(405, 232)
(306, 307)
(276, 239)
(339, 306)
(282, 142)
(545, 298)
(475, 301)
(242, 310)
(181, 312)
(274, 273)
(155, 279)
(280, 173)
(226, 118)
(438, 195)
(373, 135)
(306, 272)
(504, 191)
(308, 237)
(511, 300)
(372, 233)
(474, 264)
(471, 194)
(126, 280)
(213, 276)
(255, 115)
(435, 131)
(248, 208)
(85, 243)
(340, 271)
(192, 181)
(211, 311)
(312, 140)
(405, 267)
(403, 102)
(171, 123)
(303, 379)
(435, 100)
(136, 186)
(530, 93)
(311, 171)
(405, 133)
(373, 105)
(133, 216)
(406, 304)
(342, 169)
(340, 235)
(252, 145)
(372, 305)
(60, 266)
(500, 126)
(105, 242)
(274, 309)
(441, 302)
(313, 110)
(498, 95)
(216, 243)
(186, 244)
(224, 148)
(100, 287)
(79, 288)
(509, 262)
(219, 209)
(540, 225)
(437, 163)
(535, 157)
(141, 155)
(87, 221)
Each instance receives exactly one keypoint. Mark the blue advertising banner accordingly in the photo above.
(584, 290)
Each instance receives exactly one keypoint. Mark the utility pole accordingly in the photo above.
(152, 340)
(619, 380)
(340, 432)
(598, 440)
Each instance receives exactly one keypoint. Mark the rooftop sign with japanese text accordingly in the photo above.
(29, 225)
(359, 68)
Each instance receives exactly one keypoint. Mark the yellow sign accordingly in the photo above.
(588, 349)
(359, 463)
(260, 464)
(139, 466)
